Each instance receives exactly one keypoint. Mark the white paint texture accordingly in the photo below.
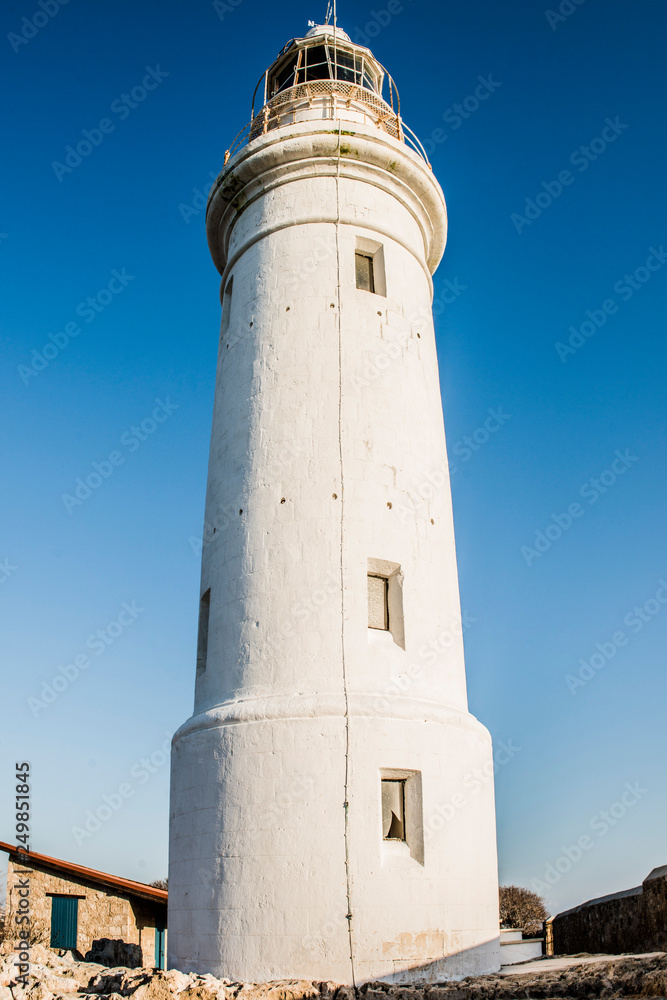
(327, 421)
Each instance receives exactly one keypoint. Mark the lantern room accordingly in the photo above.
(326, 53)
(321, 76)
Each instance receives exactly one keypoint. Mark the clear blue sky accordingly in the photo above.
(551, 90)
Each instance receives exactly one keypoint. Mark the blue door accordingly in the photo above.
(64, 921)
(159, 945)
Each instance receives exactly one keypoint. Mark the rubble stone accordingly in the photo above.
(54, 978)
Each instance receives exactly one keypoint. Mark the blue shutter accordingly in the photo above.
(64, 914)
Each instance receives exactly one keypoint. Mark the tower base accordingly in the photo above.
(259, 886)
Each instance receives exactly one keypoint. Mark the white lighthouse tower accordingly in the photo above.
(332, 813)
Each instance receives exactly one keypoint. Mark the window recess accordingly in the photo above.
(402, 814)
(393, 809)
(385, 601)
(369, 267)
(202, 635)
(363, 267)
(378, 606)
(226, 308)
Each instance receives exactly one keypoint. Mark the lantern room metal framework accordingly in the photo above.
(326, 76)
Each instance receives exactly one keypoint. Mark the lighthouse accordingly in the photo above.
(332, 811)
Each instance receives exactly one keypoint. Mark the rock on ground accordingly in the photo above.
(55, 978)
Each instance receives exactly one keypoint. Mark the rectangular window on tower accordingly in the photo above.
(202, 636)
(226, 308)
(393, 809)
(363, 263)
(378, 605)
(369, 266)
(385, 602)
(401, 814)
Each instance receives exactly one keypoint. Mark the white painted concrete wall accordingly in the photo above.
(514, 949)
(331, 403)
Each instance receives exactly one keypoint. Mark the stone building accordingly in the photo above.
(103, 918)
(633, 920)
(325, 822)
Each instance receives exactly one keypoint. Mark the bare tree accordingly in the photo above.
(161, 883)
(521, 908)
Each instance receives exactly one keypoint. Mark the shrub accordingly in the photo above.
(521, 908)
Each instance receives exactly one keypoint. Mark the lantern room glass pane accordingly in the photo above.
(286, 76)
(316, 62)
(347, 70)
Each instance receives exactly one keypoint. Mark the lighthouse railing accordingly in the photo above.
(332, 99)
(413, 140)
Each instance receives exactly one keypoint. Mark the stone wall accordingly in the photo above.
(633, 921)
(127, 923)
